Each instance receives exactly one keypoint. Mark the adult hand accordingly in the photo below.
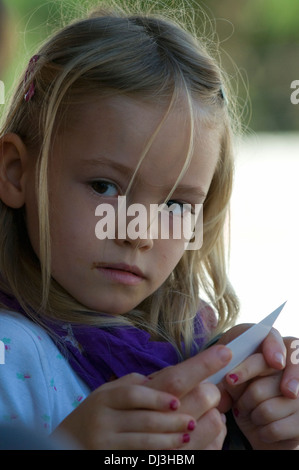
(269, 420)
(277, 353)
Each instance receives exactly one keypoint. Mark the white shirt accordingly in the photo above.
(38, 388)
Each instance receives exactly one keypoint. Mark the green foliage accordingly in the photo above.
(260, 36)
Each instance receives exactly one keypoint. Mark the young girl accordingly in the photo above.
(129, 106)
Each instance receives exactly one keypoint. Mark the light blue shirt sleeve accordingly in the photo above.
(38, 388)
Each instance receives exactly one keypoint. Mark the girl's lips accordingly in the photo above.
(121, 273)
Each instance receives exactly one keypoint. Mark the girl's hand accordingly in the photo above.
(268, 419)
(127, 414)
(198, 399)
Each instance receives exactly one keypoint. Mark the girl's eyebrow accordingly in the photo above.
(95, 162)
(181, 189)
(191, 191)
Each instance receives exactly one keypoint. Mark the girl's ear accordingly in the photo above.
(13, 165)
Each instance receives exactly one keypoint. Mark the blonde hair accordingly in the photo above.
(148, 57)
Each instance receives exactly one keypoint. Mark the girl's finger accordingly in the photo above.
(154, 422)
(255, 365)
(217, 444)
(145, 441)
(201, 399)
(127, 397)
(180, 379)
(210, 431)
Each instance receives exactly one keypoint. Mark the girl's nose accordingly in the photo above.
(141, 243)
(133, 227)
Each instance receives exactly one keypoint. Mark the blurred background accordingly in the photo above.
(259, 50)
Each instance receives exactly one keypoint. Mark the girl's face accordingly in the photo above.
(91, 163)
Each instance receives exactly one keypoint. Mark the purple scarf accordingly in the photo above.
(99, 355)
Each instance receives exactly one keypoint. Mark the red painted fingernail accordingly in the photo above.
(236, 412)
(233, 378)
(146, 379)
(191, 425)
(174, 404)
(185, 438)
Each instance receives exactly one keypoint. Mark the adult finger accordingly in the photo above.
(258, 392)
(283, 431)
(274, 409)
(290, 380)
(274, 350)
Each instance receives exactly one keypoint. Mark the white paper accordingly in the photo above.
(246, 344)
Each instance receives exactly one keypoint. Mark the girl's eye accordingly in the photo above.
(179, 208)
(104, 188)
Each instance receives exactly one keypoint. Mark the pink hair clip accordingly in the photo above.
(28, 75)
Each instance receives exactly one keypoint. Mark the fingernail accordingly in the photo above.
(236, 412)
(293, 386)
(146, 379)
(191, 425)
(224, 354)
(174, 404)
(233, 378)
(223, 418)
(280, 359)
(185, 438)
